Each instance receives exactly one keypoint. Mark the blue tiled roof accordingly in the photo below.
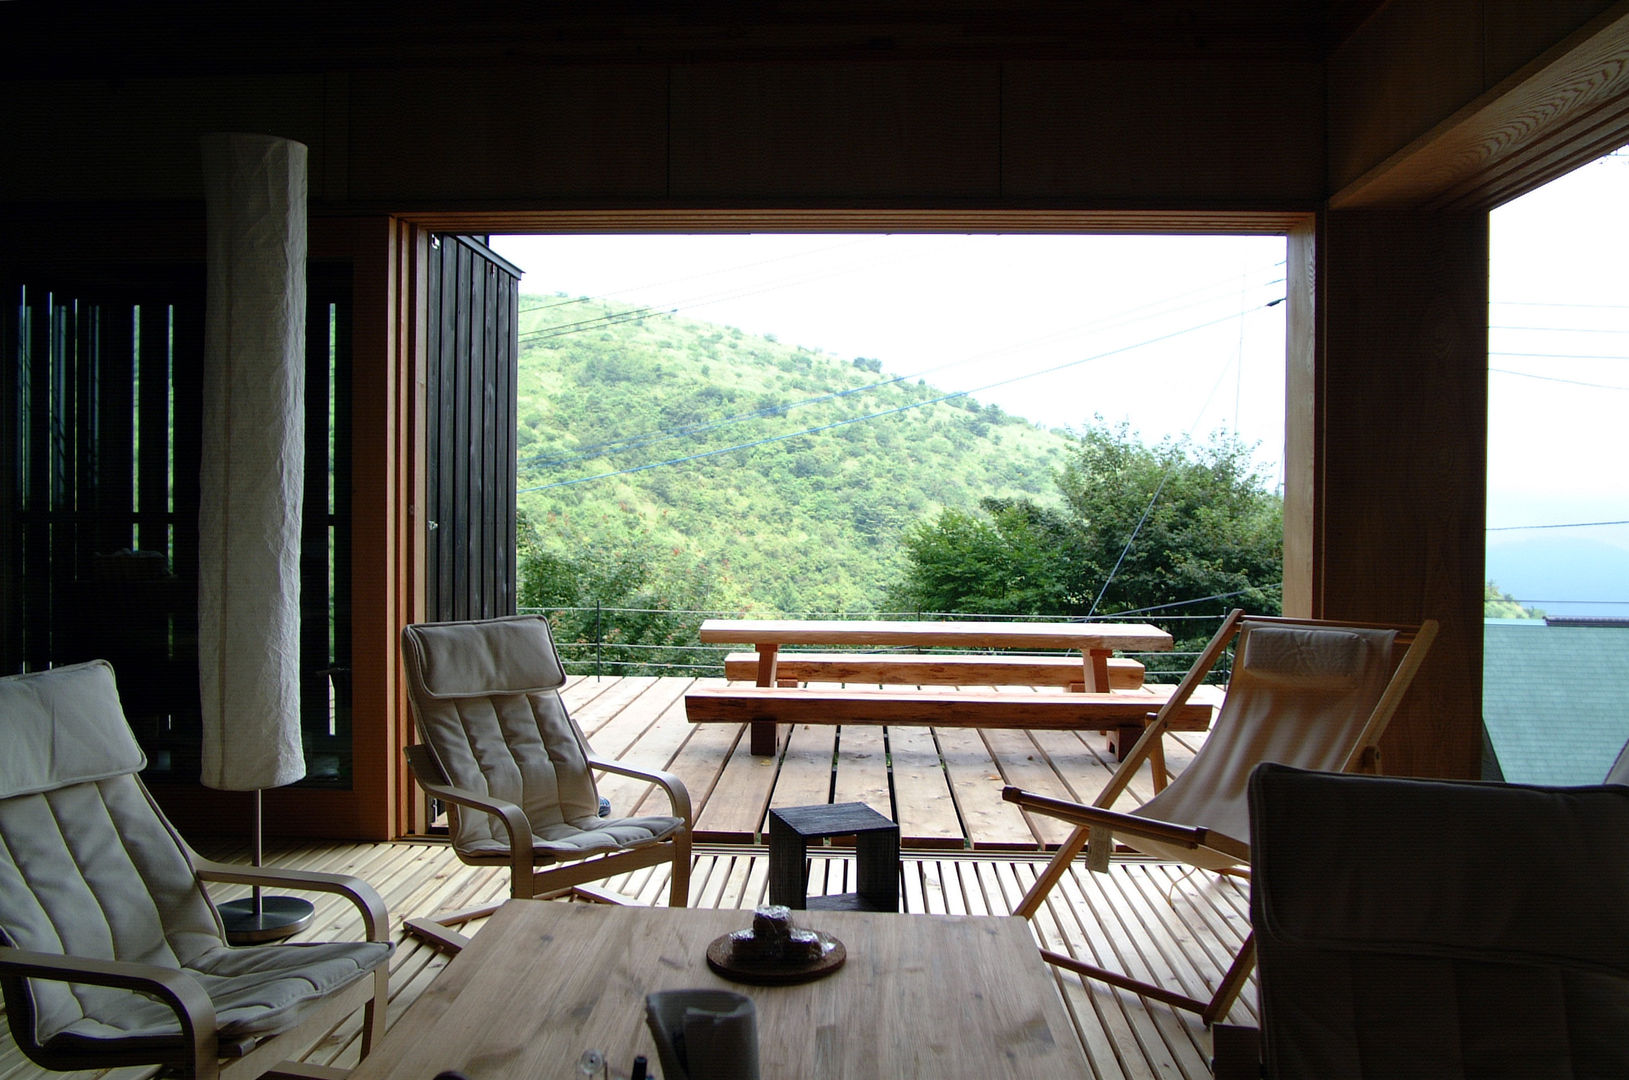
(1555, 699)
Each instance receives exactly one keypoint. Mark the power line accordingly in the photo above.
(886, 412)
(1563, 356)
(1558, 304)
(1568, 525)
(1550, 378)
(1564, 329)
(665, 434)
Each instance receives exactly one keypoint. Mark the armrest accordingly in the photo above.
(428, 775)
(1113, 820)
(677, 794)
(180, 991)
(375, 919)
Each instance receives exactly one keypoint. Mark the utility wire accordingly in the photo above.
(1568, 525)
(662, 435)
(1551, 378)
(886, 412)
(1558, 304)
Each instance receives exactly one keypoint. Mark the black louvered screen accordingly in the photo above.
(100, 436)
(473, 344)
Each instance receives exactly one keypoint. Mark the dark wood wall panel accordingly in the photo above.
(471, 350)
(1402, 457)
(1417, 65)
(1140, 136)
(845, 131)
(578, 132)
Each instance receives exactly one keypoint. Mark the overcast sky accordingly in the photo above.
(1174, 335)
(1558, 342)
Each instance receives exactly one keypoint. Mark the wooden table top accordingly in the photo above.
(946, 996)
(1131, 637)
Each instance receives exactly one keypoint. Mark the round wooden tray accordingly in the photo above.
(719, 958)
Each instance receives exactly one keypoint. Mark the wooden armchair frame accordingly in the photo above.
(199, 1052)
(527, 880)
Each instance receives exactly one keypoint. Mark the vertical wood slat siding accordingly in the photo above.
(466, 500)
(115, 403)
(508, 359)
(102, 398)
(152, 483)
(57, 497)
(186, 453)
(35, 498)
(472, 348)
(315, 519)
(11, 566)
(344, 342)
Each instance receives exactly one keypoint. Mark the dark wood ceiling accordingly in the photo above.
(172, 37)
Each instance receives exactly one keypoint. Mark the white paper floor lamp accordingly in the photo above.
(251, 484)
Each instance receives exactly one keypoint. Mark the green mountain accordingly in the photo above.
(779, 476)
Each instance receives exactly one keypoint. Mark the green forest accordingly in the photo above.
(669, 466)
(738, 472)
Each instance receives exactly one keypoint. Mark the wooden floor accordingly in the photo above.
(968, 853)
(943, 785)
(1147, 918)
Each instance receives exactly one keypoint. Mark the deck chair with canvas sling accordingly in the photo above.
(1309, 693)
(516, 773)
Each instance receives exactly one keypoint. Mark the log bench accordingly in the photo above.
(932, 669)
(765, 707)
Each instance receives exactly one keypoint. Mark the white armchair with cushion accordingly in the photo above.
(111, 951)
(516, 773)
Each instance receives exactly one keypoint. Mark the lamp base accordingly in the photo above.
(279, 917)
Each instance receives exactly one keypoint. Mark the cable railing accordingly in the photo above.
(617, 641)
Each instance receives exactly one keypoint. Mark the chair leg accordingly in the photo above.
(678, 893)
(436, 931)
(373, 1013)
(1031, 903)
(1209, 1011)
(1232, 982)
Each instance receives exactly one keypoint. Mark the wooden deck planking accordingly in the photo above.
(735, 809)
(1138, 910)
(943, 785)
(804, 778)
(923, 804)
(967, 852)
(861, 770)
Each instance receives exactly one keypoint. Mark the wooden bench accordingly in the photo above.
(932, 669)
(765, 707)
(1095, 642)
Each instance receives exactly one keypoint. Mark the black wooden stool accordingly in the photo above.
(876, 853)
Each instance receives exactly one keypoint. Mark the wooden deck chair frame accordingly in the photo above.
(1210, 848)
(532, 875)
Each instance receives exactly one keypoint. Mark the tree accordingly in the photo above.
(1010, 558)
(1161, 532)
(1501, 605)
(1171, 526)
(617, 606)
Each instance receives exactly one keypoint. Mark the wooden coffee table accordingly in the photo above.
(946, 996)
